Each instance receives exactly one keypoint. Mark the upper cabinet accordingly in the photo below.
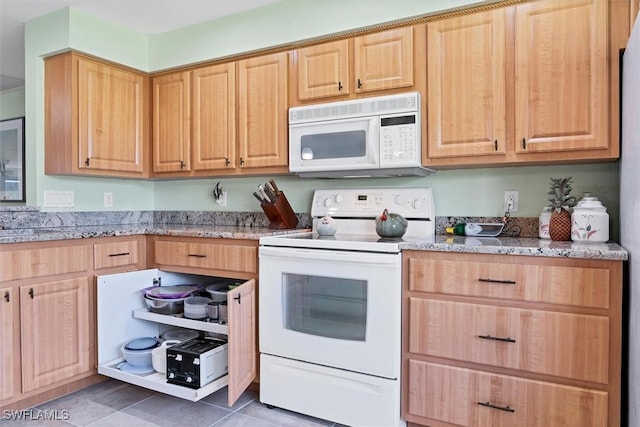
(535, 83)
(96, 118)
(263, 132)
(370, 63)
(466, 77)
(222, 119)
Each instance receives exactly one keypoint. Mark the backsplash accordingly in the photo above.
(30, 217)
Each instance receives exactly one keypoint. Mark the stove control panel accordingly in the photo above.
(370, 202)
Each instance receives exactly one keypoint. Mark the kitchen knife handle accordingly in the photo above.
(273, 184)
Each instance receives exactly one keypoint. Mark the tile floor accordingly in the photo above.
(114, 403)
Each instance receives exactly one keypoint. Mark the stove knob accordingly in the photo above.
(416, 204)
(189, 379)
(399, 199)
(338, 198)
(328, 202)
(172, 375)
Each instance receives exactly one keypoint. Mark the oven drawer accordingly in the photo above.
(514, 278)
(214, 256)
(466, 397)
(554, 343)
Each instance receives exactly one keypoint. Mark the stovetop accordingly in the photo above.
(355, 210)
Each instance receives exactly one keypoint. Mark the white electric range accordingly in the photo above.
(330, 308)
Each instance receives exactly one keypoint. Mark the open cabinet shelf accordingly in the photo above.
(182, 322)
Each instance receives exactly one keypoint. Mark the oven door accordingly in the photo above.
(347, 144)
(333, 308)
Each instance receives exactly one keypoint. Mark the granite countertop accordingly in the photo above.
(442, 243)
(527, 246)
(22, 235)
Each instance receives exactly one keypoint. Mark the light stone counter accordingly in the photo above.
(526, 246)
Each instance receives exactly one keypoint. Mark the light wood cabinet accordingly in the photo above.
(9, 347)
(54, 326)
(532, 83)
(171, 122)
(96, 118)
(486, 336)
(385, 60)
(117, 253)
(263, 132)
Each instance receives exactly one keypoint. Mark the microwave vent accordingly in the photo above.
(404, 103)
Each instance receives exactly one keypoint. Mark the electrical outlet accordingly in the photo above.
(511, 201)
(108, 199)
(222, 200)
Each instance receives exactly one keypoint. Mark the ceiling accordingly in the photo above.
(141, 16)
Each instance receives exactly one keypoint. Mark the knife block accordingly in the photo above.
(279, 213)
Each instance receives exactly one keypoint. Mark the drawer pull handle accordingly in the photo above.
(7, 296)
(506, 282)
(489, 337)
(198, 255)
(492, 406)
(120, 254)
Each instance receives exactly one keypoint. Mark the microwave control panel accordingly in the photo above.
(399, 140)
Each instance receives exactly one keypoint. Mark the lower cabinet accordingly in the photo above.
(504, 340)
(8, 342)
(122, 316)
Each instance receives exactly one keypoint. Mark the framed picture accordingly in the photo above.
(12, 160)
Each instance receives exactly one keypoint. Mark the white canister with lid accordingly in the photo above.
(543, 223)
(589, 221)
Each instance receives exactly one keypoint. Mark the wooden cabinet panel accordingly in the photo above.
(214, 256)
(466, 397)
(54, 319)
(243, 351)
(96, 118)
(214, 117)
(115, 254)
(263, 133)
(384, 60)
(528, 340)
(506, 278)
(29, 263)
(561, 76)
(111, 106)
(323, 70)
(466, 77)
(8, 351)
(171, 122)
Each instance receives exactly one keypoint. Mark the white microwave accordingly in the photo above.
(378, 136)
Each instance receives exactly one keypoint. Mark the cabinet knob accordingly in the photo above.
(226, 161)
(524, 143)
(241, 161)
(182, 165)
(495, 145)
(31, 292)
(86, 162)
(359, 84)
(339, 85)
(237, 298)
(7, 296)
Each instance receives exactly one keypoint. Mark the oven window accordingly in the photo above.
(326, 306)
(334, 145)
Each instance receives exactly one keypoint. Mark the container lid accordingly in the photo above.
(180, 334)
(589, 202)
(144, 343)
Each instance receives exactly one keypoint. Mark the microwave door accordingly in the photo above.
(348, 144)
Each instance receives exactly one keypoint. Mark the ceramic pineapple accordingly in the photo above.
(560, 203)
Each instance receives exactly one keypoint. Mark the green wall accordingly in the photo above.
(460, 192)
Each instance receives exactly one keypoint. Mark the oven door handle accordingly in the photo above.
(329, 255)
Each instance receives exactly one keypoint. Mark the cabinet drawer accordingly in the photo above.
(115, 254)
(466, 397)
(211, 256)
(562, 344)
(506, 278)
(31, 263)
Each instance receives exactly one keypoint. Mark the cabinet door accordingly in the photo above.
(214, 117)
(262, 116)
(561, 76)
(384, 60)
(243, 351)
(323, 70)
(8, 351)
(171, 118)
(111, 129)
(466, 85)
(55, 328)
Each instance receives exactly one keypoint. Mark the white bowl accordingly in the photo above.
(196, 307)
